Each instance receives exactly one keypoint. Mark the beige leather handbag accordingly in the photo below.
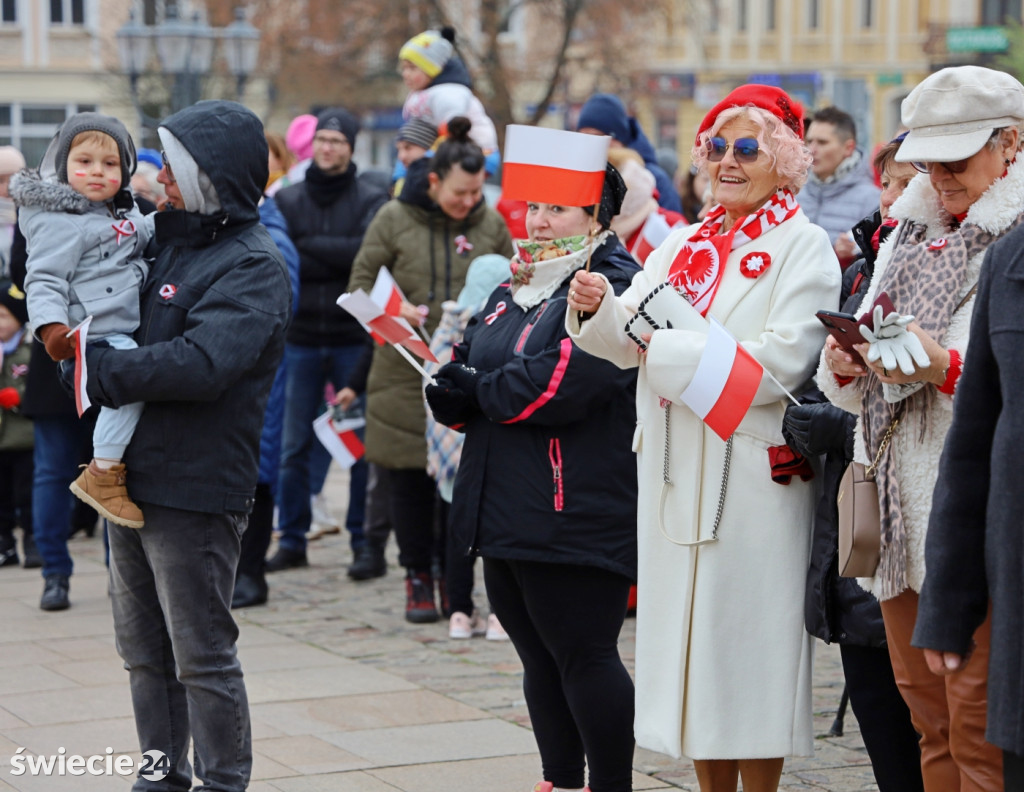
(860, 530)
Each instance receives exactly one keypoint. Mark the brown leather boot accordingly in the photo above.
(105, 491)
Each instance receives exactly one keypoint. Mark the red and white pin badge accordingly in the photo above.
(123, 229)
(754, 264)
(462, 245)
(168, 290)
(499, 309)
(937, 244)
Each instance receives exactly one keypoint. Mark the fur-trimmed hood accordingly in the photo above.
(994, 211)
(29, 189)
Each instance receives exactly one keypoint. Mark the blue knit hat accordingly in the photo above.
(606, 113)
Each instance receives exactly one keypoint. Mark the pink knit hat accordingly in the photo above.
(299, 137)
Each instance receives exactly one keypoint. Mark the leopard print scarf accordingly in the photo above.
(924, 278)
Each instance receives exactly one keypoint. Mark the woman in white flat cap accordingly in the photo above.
(965, 127)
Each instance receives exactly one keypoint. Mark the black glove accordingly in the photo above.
(463, 377)
(449, 404)
(66, 368)
(820, 428)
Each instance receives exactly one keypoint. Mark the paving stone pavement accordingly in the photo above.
(345, 695)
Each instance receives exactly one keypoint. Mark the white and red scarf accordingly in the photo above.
(697, 268)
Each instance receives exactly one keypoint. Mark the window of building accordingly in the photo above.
(769, 15)
(997, 12)
(867, 13)
(741, 15)
(813, 14)
(30, 128)
(8, 12)
(67, 12)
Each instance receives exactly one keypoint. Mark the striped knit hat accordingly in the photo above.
(429, 51)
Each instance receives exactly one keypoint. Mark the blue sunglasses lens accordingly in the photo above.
(743, 149)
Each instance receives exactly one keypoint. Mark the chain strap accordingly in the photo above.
(724, 487)
(886, 439)
(664, 471)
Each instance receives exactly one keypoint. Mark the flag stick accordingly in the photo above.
(771, 376)
(413, 362)
(590, 251)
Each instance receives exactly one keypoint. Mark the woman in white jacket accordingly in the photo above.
(965, 132)
(723, 664)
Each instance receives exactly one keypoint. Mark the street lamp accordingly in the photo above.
(184, 51)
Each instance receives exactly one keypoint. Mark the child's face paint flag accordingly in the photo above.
(725, 382)
(392, 329)
(340, 440)
(553, 166)
(80, 333)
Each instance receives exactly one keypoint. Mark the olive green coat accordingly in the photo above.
(428, 256)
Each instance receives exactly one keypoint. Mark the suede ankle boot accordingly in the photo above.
(105, 491)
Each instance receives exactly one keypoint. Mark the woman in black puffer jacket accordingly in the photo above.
(546, 490)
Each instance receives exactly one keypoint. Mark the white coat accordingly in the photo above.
(916, 454)
(723, 663)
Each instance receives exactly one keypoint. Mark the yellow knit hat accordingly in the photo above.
(428, 51)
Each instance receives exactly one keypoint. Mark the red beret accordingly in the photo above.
(767, 97)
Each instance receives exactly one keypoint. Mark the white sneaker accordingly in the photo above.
(322, 521)
(461, 626)
(495, 632)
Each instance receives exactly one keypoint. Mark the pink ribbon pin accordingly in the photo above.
(462, 245)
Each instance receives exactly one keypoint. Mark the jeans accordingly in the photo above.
(171, 585)
(309, 370)
(116, 425)
(58, 445)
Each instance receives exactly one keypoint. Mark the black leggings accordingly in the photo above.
(564, 621)
(1013, 772)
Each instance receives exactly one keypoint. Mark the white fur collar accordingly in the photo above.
(998, 206)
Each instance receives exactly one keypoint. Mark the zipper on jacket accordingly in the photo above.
(555, 457)
(525, 335)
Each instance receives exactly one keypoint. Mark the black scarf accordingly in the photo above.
(326, 188)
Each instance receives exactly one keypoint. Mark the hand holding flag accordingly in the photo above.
(393, 329)
(80, 334)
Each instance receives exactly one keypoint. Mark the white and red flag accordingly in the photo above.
(724, 384)
(553, 166)
(386, 294)
(393, 329)
(655, 231)
(340, 439)
(80, 333)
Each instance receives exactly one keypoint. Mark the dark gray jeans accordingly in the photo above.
(171, 584)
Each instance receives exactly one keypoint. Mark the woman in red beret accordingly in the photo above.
(723, 663)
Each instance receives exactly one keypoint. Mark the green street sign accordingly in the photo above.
(977, 39)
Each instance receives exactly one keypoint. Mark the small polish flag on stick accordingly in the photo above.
(80, 333)
(553, 166)
(393, 329)
(387, 295)
(655, 231)
(725, 382)
(340, 440)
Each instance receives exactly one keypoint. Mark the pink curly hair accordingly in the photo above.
(789, 156)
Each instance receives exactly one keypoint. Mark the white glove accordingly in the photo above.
(884, 327)
(904, 351)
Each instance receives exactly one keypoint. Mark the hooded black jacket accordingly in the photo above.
(328, 238)
(214, 312)
(547, 470)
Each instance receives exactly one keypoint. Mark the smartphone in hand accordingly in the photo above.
(845, 329)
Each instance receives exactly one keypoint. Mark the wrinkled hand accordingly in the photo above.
(54, 338)
(812, 429)
(842, 363)
(345, 397)
(464, 378)
(449, 403)
(586, 291)
(9, 398)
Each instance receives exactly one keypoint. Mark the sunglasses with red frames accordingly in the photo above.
(744, 150)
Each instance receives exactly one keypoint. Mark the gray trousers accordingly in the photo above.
(171, 584)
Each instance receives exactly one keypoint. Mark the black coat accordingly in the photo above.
(547, 472)
(214, 311)
(974, 549)
(837, 609)
(328, 238)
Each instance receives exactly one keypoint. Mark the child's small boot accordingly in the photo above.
(105, 491)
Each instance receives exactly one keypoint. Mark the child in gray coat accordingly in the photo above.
(85, 241)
